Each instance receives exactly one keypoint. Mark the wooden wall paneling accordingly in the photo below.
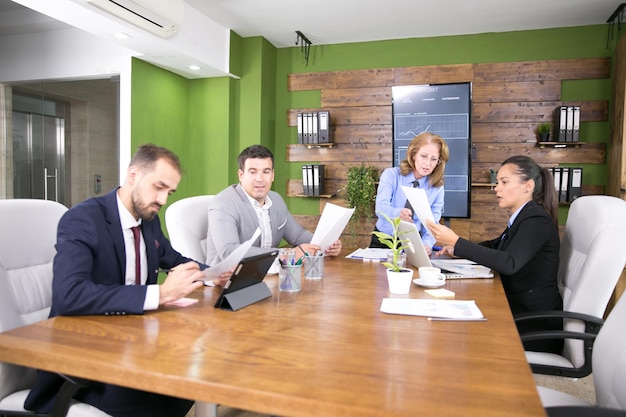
(486, 92)
(536, 111)
(563, 69)
(341, 79)
(504, 132)
(434, 74)
(509, 100)
(587, 153)
(354, 97)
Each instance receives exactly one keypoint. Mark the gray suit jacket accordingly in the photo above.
(232, 221)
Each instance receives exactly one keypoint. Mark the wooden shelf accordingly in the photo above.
(560, 144)
(483, 184)
(316, 145)
(315, 196)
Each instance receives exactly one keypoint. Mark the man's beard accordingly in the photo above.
(141, 209)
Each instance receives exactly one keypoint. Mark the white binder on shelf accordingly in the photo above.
(576, 124)
(569, 133)
(314, 128)
(300, 127)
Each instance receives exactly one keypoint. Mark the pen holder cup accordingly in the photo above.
(290, 278)
(313, 266)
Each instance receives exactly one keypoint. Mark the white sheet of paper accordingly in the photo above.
(233, 259)
(333, 220)
(419, 202)
(369, 253)
(449, 309)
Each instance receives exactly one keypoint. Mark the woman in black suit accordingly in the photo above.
(526, 254)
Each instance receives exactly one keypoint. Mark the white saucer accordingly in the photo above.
(419, 282)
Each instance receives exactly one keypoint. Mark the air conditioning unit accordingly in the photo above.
(160, 17)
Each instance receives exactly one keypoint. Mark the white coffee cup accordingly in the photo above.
(431, 275)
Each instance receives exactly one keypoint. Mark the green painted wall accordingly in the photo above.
(208, 122)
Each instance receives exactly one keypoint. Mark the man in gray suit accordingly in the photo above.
(238, 210)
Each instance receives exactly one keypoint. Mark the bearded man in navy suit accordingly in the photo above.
(94, 274)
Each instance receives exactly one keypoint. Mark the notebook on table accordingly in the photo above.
(246, 285)
(452, 268)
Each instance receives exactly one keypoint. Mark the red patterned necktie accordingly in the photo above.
(137, 236)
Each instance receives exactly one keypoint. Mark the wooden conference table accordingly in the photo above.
(324, 351)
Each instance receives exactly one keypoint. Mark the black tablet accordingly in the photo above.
(246, 285)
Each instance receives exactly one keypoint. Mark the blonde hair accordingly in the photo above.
(408, 165)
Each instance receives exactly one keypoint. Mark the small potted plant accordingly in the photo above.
(399, 277)
(543, 130)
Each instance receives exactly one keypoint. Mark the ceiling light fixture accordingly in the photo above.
(618, 15)
(305, 45)
(120, 35)
(194, 67)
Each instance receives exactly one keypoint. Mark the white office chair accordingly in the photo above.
(187, 223)
(26, 253)
(609, 368)
(592, 258)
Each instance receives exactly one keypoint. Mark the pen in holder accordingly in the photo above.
(290, 273)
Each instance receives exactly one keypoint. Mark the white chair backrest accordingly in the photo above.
(187, 223)
(609, 359)
(592, 255)
(27, 238)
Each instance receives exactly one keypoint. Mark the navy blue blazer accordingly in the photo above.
(89, 272)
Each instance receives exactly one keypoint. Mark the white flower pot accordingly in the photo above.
(400, 282)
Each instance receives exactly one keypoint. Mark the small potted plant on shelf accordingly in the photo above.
(543, 131)
(398, 276)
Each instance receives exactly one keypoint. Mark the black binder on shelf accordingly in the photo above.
(246, 285)
(324, 127)
(576, 124)
(300, 127)
(569, 133)
(560, 128)
(318, 179)
(575, 183)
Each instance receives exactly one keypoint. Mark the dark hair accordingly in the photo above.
(254, 152)
(408, 165)
(147, 155)
(544, 192)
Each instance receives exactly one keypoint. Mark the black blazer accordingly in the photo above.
(527, 260)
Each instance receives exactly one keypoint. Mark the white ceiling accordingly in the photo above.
(326, 22)
(341, 21)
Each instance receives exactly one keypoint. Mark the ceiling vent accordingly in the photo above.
(160, 17)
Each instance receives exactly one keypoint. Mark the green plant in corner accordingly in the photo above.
(361, 189)
(393, 242)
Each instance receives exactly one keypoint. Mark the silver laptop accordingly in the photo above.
(453, 268)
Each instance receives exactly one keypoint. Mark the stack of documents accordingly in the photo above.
(461, 268)
(442, 309)
(373, 254)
